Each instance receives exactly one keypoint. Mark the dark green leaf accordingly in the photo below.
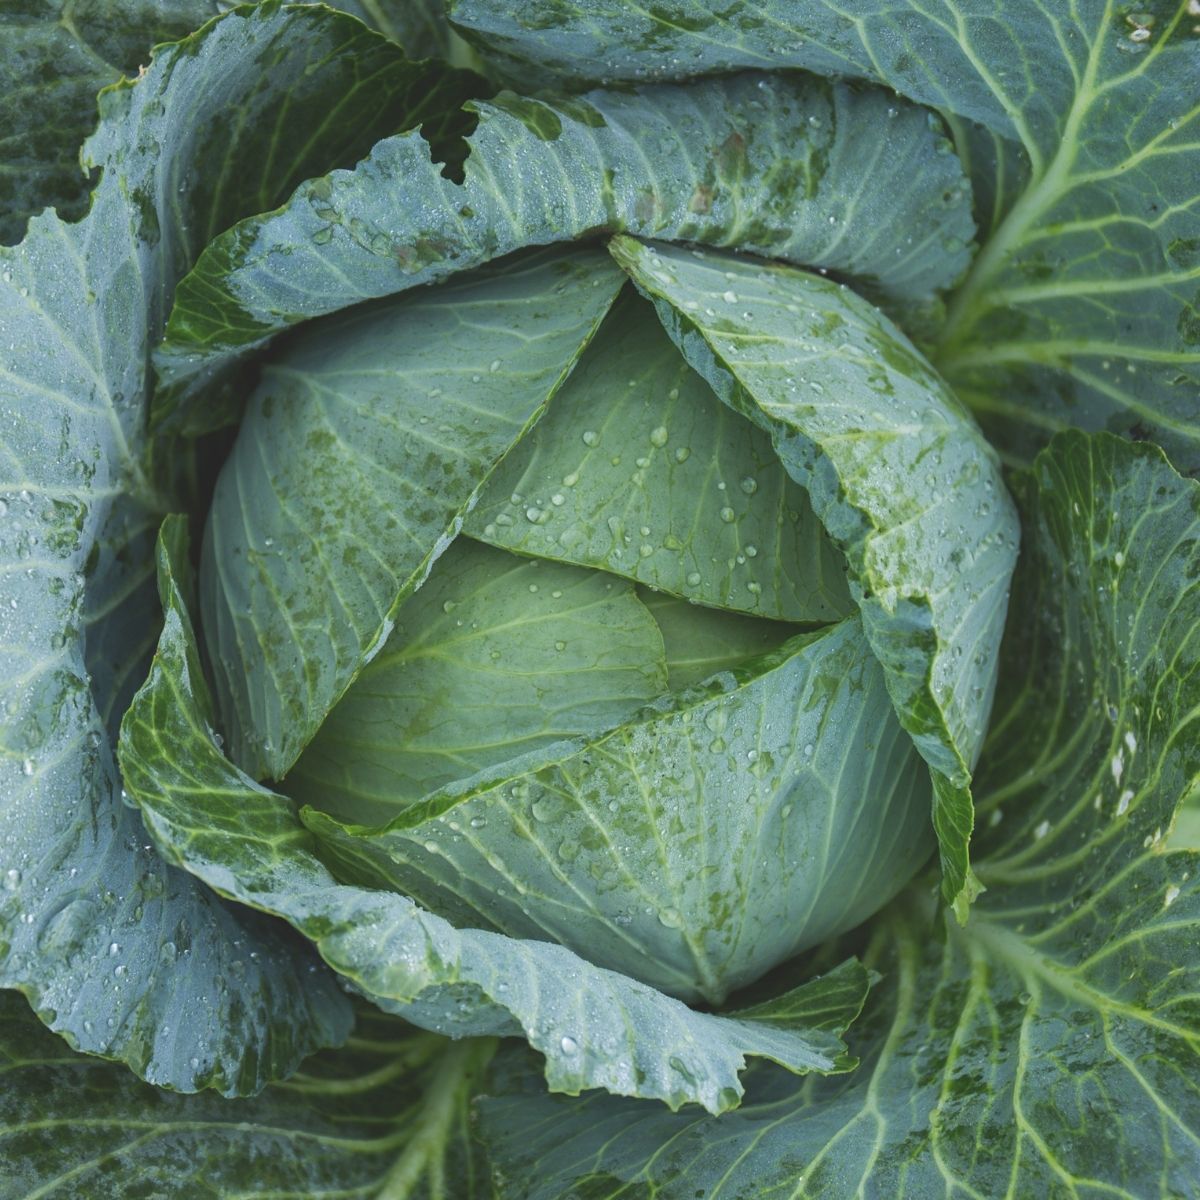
(388, 1116)
(420, 26)
(54, 58)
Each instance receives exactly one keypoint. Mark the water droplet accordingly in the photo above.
(12, 879)
(749, 485)
(728, 515)
(590, 438)
(560, 646)
(658, 436)
(729, 297)
(478, 822)
(569, 1045)
(558, 499)
(545, 808)
(670, 918)
(27, 766)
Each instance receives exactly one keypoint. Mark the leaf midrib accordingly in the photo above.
(1009, 948)
(968, 304)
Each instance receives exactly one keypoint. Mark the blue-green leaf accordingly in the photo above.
(122, 954)
(896, 471)
(386, 1116)
(1052, 1046)
(595, 1028)
(846, 178)
(1083, 307)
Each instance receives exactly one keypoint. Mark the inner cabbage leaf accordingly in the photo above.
(639, 469)
(495, 656)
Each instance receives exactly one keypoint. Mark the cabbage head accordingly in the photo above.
(516, 524)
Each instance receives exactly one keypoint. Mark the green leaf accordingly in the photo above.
(1083, 308)
(821, 174)
(708, 839)
(494, 657)
(363, 448)
(115, 949)
(702, 641)
(54, 58)
(640, 470)
(386, 1116)
(420, 26)
(595, 1028)
(896, 471)
(1052, 1046)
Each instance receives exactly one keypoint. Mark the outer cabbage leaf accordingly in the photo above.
(120, 953)
(595, 1028)
(1083, 307)
(388, 1115)
(1052, 1046)
(896, 471)
(54, 58)
(796, 169)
